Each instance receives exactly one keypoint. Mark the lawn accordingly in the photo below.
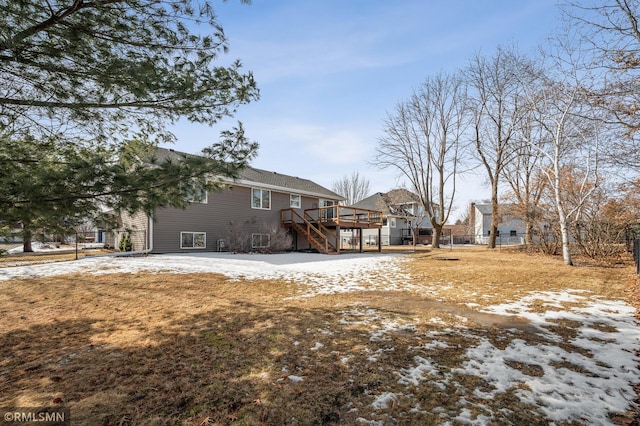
(464, 336)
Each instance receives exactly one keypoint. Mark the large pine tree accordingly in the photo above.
(89, 88)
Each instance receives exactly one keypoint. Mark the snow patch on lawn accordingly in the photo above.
(590, 376)
(295, 379)
(320, 273)
(384, 400)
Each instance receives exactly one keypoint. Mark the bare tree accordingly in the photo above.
(562, 105)
(423, 142)
(495, 98)
(354, 188)
(523, 175)
(611, 34)
(407, 206)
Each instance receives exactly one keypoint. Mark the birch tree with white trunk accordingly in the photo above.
(609, 33)
(572, 132)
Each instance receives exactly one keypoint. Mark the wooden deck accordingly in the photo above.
(321, 226)
(346, 217)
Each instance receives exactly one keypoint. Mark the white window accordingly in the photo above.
(294, 201)
(261, 199)
(260, 240)
(193, 240)
(196, 194)
(392, 222)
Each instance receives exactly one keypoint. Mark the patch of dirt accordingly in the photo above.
(410, 304)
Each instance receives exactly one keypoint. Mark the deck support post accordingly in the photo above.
(379, 240)
(360, 238)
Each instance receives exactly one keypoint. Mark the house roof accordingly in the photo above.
(383, 201)
(484, 208)
(278, 180)
(250, 176)
(372, 202)
(503, 209)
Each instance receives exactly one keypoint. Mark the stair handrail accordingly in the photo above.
(325, 231)
(310, 227)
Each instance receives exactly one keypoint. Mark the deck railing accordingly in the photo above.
(347, 216)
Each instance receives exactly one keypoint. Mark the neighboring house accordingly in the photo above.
(401, 213)
(255, 205)
(511, 229)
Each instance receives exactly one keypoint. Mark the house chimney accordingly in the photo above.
(472, 218)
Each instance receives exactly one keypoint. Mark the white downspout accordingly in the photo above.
(149, 237)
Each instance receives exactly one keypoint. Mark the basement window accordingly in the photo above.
(259, 241)
(193, 240)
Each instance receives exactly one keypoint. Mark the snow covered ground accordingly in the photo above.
(52, 247)
(322, 273)
(582, 378)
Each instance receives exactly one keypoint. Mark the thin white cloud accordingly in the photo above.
(329, 70)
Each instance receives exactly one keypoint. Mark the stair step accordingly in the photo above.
(317, 240)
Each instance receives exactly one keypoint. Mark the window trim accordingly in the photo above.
(262, 191)
(190, 197)
(194, 240)
(291, 204)
(262, 235)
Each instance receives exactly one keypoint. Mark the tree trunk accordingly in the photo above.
(564, 224)
(437, 231)
(566, 249)
(26, 240)
(494, 213)
(528, 225)
(528, 236)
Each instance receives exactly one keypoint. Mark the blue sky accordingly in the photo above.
(330, 70)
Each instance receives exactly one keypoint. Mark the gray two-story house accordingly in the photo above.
(254, 208)
(402, 215)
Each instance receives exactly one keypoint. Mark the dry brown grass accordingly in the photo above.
(48, 257)
(199, 349)
(483, 276)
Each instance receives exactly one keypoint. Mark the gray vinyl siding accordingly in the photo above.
(388, 235)
(216, 216)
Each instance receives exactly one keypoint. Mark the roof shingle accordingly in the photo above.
(264, 177)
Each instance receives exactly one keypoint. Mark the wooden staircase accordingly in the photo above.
(313, 231)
